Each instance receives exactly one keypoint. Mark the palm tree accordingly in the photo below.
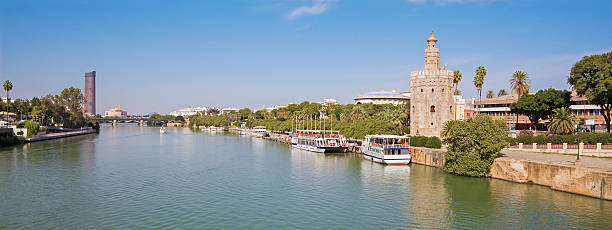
(490, 94)
(457, 78)
(481, 72)
(520, 83)
(8, 86)
(502, 92)
(563, 121)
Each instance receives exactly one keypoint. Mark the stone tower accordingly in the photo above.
(431, 99)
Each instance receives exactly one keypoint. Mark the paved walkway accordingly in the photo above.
(50, 136)
(602, 164)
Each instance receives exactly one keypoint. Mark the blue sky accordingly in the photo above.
(157, 56)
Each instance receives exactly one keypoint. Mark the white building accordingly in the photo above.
(229, 110)
(384, 97)
(328, 101)
(185, 112)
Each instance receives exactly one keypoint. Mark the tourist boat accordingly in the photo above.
(322, 141)
(386, 149)
(259, 131)
(162, 130)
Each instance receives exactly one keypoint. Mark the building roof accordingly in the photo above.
(384, 95)
(431, 37)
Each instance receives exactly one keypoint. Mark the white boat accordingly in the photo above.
(386, 149)
(162, 130)
(319, 141)
(259, 131)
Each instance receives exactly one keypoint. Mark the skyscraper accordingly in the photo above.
(90, 93)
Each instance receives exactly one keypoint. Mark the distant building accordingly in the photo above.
(185, 112)
(431, 90)
(90, 93)
(229, 110)
(499, 109)
(116, 112)
(328, 101)
(384, 97)
(269, 109)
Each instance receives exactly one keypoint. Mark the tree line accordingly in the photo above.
(353, 120)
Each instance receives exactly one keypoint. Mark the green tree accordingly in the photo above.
(592, 77)
(179, 118)
(502, 92)
(520, 83)
(72, 99)
(8, 86)
(481, 72)
(563, 121)
(541, 105)
(474, 144)
(457, 78)
(490, 94)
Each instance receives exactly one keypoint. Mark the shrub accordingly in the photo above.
(427, 142)
(20, 133)
(32, 127)
(474, 145)
(434, 143)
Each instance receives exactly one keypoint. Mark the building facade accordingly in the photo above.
(499, 109)
(384, 97)
(431, 94)
(90, 93)
(116, 112)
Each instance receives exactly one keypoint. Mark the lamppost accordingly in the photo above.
(578, 140)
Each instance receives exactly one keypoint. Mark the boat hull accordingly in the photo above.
(320, 149)
(386, 159)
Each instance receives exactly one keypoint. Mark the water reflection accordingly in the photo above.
(135, 177)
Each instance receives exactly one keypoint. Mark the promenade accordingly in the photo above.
(50, 136)
(596, 163)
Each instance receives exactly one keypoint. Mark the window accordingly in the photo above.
(432, 109)
(421, 90)
(432, 90)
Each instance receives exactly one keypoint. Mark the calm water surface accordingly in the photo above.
(134, 178)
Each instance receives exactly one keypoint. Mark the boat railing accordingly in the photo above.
(390, 146)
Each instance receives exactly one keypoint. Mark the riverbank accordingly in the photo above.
(51, 136)
(590, 176)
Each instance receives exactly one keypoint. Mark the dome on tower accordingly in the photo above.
(431, 37)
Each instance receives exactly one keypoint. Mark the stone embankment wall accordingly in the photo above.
(572, 179)
(425, 156)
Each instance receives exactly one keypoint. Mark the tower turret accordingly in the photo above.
(432, 54)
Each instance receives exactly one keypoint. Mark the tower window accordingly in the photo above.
(432, 89)
(443, 90)
(421, 90)
(432, 109)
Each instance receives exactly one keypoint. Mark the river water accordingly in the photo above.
(131, 177)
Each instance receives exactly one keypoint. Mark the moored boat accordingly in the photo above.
(259, 131)
(322, 141)
(162, 130)
(386, 149)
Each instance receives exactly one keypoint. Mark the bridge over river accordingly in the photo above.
(139, 120)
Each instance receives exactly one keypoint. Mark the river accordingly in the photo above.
(130, 177)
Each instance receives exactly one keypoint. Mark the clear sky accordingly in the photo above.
(158, 56)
